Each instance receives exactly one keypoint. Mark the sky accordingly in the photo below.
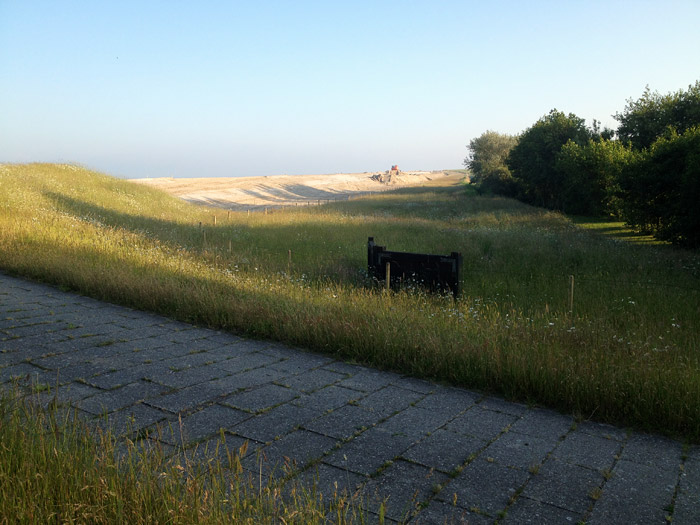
(214, 88)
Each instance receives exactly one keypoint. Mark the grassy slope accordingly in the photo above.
(628, 353)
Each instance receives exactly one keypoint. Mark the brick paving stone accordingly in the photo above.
(450, 401)
(186, 398)
(484, 487)
(328, 398)
(65, 395)
(588, 451)
(274, 423)
(654, 451)
(112, 400)
(636, 493)
(527, 511)
(687, 506)
(248, 361)
(8, 357)
(260, 398)
(185, 378)
(388, 400)
(602, 430)
(189, 360)
(208, 422)
(244, 380)
(311, 380)
(439, 512)
(480, 422)
(444, 450)
(364, 379)
(369, 451)
(565, 486)
(343, 422)
(346, 368)
(79, 372)
(293, 452)
(520, 450)
(132, 419)
(417, 385)
(293, 366)
(417, 422)
(543, 423)
(402, 487)
(498, 404)
(47, 342)
(120, 378)
(25, 373)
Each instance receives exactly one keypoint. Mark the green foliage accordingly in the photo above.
(661, 190)
(591, 173)
(487, 162)
(644, 120)
(533, 161)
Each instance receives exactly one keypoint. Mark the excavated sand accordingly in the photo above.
(284, 190)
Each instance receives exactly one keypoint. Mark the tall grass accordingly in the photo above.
(628, 353)
(53, 469)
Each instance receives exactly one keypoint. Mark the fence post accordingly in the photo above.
(388, 275)
(571, 293)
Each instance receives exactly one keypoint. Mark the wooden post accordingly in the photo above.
(248, 212)
(214, 220)
(200, 225)
(571, 293)
(289, 261)
(388, 276)
(228, 215)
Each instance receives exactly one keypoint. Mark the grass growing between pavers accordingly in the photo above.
(627, 353)
(54, 469)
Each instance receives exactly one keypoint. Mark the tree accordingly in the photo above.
(533, 160)
(591, 175)
(644, 120)
(487, 162)
(661, 190)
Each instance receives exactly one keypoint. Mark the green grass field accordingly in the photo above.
(627, 354)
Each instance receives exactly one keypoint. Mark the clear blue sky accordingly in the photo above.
(206, 88)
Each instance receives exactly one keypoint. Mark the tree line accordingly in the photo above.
(646, 172)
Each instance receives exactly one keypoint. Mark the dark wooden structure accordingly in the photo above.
(438, 273)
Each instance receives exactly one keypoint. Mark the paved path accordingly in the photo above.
(435, 454)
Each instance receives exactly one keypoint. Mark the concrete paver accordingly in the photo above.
(428, 453)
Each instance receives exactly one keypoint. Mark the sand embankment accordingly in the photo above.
(285, 190)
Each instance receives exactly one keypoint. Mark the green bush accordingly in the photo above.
(661, 190)
(487, 162)
(533, 161)
(591, 175)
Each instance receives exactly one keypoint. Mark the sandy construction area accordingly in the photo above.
(285, 190)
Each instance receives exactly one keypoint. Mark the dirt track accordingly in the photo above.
(284, 190)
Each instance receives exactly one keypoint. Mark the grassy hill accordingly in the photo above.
(628, 353)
